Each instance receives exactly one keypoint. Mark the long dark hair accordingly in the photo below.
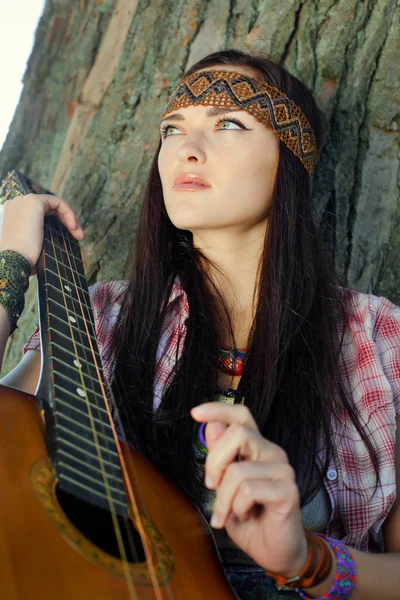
(291, 381)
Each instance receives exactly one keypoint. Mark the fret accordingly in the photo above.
(89, 454)
(83, 440)
(108, 437)
(74, 312)
(68, 260)
(90, 478)
(80, 324)
(78, 381)
(69, 325)
(99, 494)
(75, 370)
(66, 257)
(72, 385)
(94, 352)
(81, 413)
(70, 356)
(57, 292)
(86, 465)
(75, 397)
(56, 280)
(70, 276)
(60, 234)
(55, 263)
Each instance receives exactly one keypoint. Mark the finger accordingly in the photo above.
(242, 442)
(63, 211)
(236, 476)
(224, 413)
(213, 432)
(280, 497)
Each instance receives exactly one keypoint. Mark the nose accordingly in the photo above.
(190, 152)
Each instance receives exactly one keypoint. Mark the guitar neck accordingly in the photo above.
(79, 437)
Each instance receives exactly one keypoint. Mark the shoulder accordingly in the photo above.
(106, 299)
(370, 371)
(371, 348)
(376, 315)
(106, 293)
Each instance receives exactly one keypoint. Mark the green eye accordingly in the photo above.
(165, 126)
(231, 120)
(228, 122)
(164, 129)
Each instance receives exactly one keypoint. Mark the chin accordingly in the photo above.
(186, 225)
(186, 221)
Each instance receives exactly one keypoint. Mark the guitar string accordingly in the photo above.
(70, 254)
(77, 355)
(67, 242)
(125, 564)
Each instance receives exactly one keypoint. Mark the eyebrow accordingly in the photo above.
(211, 112)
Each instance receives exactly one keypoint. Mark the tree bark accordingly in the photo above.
(100, 74)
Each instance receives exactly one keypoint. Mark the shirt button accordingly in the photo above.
(332, 474)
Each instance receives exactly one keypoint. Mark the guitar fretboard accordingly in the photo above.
(82, 442)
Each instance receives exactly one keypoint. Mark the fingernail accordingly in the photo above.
(215, 521)
(209, 482)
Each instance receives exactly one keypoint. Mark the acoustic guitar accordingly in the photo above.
(82, 515)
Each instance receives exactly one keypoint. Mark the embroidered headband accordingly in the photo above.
(265, 102)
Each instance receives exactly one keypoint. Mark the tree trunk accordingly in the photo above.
(100, 74)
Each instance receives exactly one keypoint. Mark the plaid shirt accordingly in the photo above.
(370, 367)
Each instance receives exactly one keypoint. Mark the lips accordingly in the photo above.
(190, 181)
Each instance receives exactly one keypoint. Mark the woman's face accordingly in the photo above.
(238, 160)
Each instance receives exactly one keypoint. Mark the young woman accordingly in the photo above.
(233, 305)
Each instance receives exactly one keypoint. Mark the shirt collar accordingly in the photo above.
(179, 294)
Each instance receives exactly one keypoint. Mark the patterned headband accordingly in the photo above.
(265, 102)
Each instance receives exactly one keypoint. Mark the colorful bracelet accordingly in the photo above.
(15, 271)
(316, 568)
(345, 572)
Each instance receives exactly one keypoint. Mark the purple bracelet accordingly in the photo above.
(345, 573)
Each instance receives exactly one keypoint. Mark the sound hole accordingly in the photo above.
(97, 526)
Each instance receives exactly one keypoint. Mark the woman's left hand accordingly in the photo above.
(257, 498)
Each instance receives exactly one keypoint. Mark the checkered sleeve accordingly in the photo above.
(33, 342)
(387, 340)
(105, 299)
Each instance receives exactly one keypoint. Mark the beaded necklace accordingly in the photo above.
(230, 362)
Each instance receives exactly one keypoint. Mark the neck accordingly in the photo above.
(236, 256)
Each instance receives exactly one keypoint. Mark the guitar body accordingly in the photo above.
(43, 555)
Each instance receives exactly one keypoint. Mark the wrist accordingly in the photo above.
(315, 568)
(320, 588)
(341, 581)
(299, 563)
(14, 281)
(11, 249)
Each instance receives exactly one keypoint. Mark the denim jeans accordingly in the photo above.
(252, 584)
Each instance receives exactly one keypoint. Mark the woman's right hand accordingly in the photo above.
(23, 223)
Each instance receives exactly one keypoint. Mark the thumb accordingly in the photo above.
(213, 432)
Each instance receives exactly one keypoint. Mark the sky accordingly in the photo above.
(18, 21)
